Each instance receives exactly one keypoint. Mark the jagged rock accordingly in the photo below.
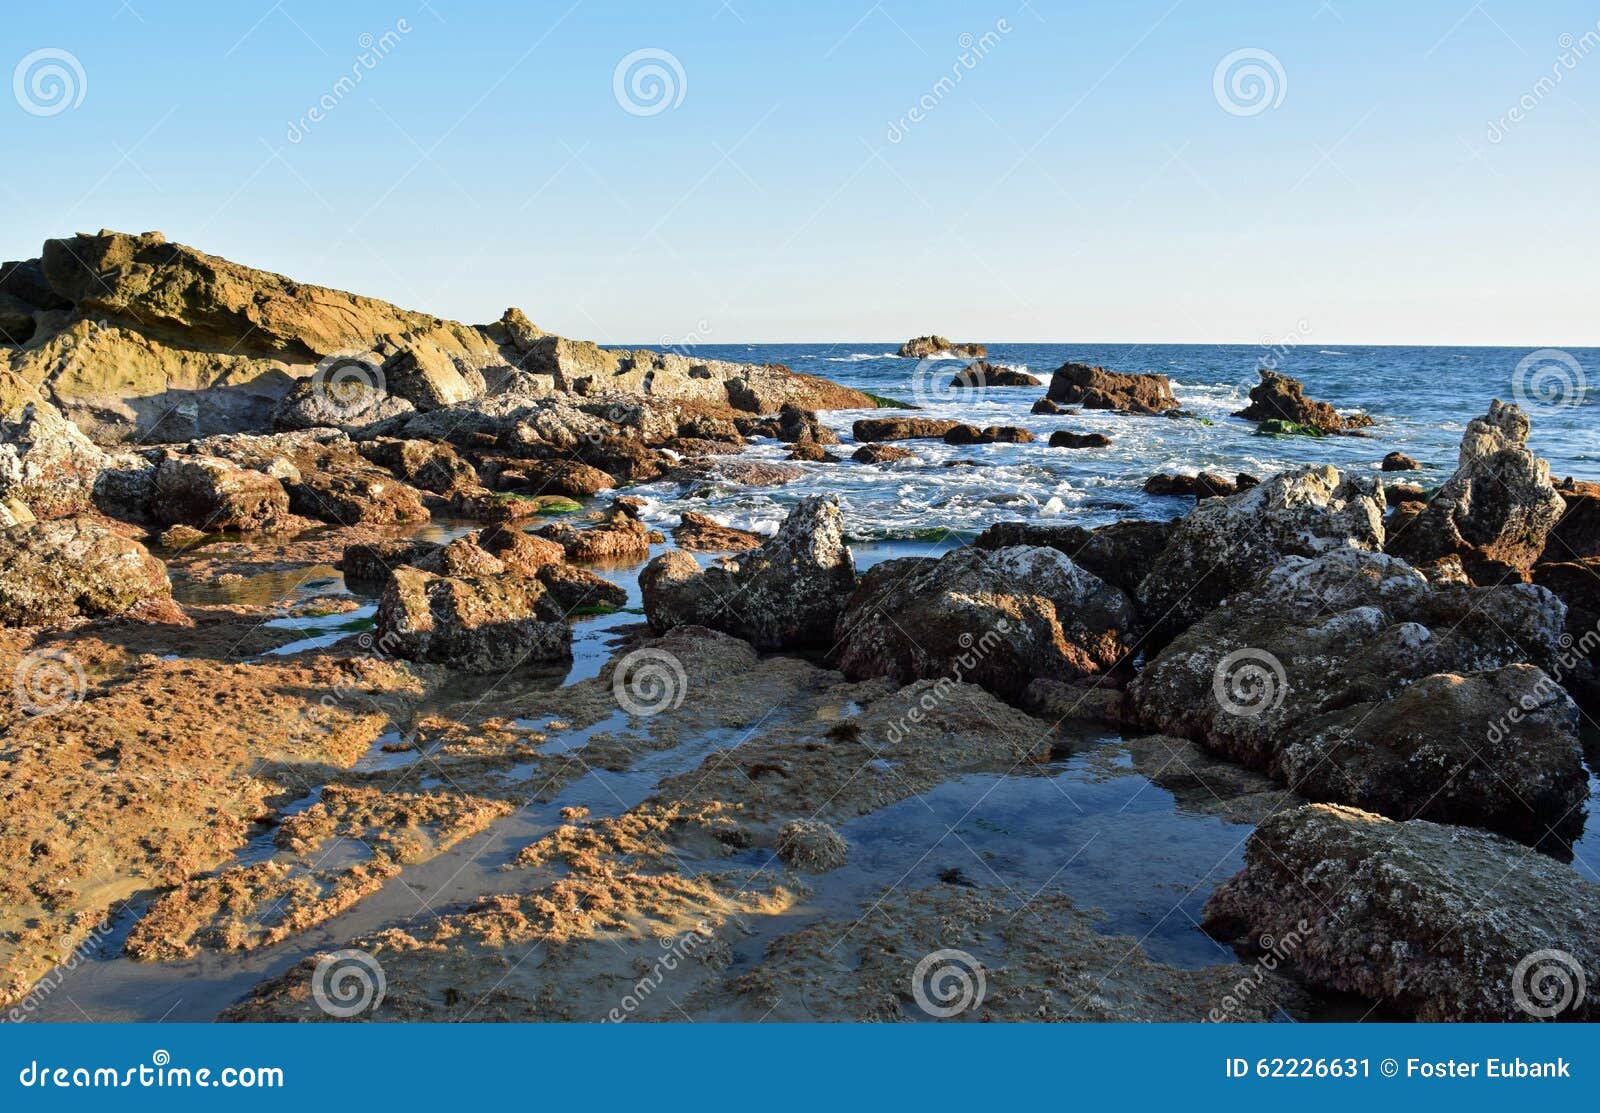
(483, 624)
(45, 460)
(881, 454)
(990, 434)
(703, 534)
(1498, 509)
(521, 552)
(1577, 667)
(70, 567)
(1065, 438)
(982, 374)
(429, 379)
(340, 487)
(214, 495)
(934, 346)
(1277, 397)
(521, 333)
(797, 426)
(617, 538)
(1121, 553)
(901, 428)
(1437, 922)
(786, 594)
(1349, 678)
(996, 618)
(1399, 461)
(426, 465)
(1097, 388)
(465, 557)
(24, 280)
(1225, 543)
(1206, 485)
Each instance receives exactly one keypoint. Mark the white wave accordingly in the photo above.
(858, 357)
(1330, 352)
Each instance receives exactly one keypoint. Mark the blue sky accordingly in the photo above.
(1082, 181)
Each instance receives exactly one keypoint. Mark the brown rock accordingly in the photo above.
(1278, 397)
(984, 374)
(1063, 438)
(1399, 461)
(931, 346)
(702, 534)
(901, 428)
(881, 454)
(1097, 388)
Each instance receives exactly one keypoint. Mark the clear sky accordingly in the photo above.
(1091, 176)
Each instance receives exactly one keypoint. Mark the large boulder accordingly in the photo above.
(787, 594)
(618, 538)
(1350, 678)
(1496, 512)
(1577, 535)
(427, 465)
(70, 567)
(429, 379)
(1121, 553)
(45, 460)
(213, 495)
(982, 374)
(1097, 388)
(1436, 922)
(992, 617)
(1277, 397)
(480, 624)
(1226, 543)
(357, 405)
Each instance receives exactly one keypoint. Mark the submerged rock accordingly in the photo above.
(1437, 922)
(881, 454)
(995, 618)
(616, 538)
(991, 434)
(1097, 388)
(1277, 397)
(811, 845)
(71, 567)
(1206, 485)
(1399, 461)
(786, 594)
(479, 624)
(703, 534)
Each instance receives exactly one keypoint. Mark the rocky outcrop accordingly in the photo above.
(787, 594)
(436, 468)
(1496, 512)
(213, 495)
(984, 374)
(996, 618)
(1349, 678)
(1577, 535)
(1097, 388)
(935, 347)
(429, 379)
(1436, 922)
(74, 567)
(1225, 543)
(1277, 397)
(478, 624)
(901, 428)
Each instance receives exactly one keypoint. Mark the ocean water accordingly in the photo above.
(1420, 398)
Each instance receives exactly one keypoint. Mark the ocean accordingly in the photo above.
(1420, 398)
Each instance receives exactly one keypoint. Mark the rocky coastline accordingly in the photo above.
(1383, 688)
